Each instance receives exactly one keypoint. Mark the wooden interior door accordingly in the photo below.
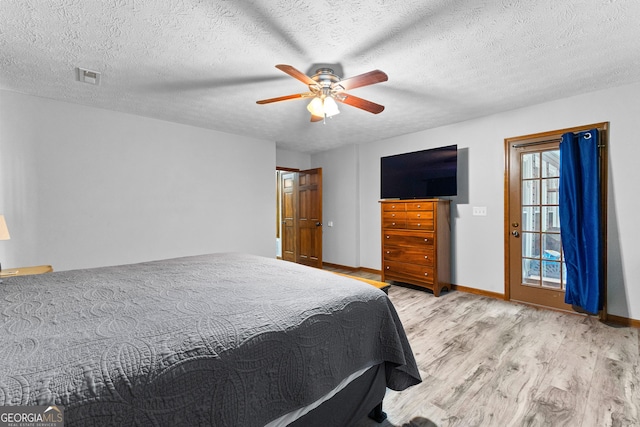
(288, 208)
(535, 268)
(309, 217)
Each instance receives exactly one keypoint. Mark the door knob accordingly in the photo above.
(318, 224)
(515, 233)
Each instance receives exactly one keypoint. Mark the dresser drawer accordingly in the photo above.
(394, 219)
(401, 239)
(417, 224)
(419, 215)
(394, 223)
(420, 220)
(394, 215)
(389, 207)
(419, 206)
(411, 255)
(410, 272)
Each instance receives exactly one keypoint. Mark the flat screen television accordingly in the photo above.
(420, 174)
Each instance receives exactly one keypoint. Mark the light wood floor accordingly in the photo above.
(487, 362)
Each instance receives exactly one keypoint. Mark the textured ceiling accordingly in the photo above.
(206, 62)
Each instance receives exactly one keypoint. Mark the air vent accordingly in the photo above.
(88, 76)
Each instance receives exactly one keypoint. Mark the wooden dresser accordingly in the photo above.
(416, 242)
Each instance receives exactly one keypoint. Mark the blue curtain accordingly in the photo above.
(580, 226)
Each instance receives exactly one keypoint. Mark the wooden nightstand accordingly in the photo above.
(25, 271)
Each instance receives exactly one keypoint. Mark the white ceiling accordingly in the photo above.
(206, 62)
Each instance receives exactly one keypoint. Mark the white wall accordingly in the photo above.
(478, 242)
(83, 187)
(340, 205)
(292, 159)
(481, 184)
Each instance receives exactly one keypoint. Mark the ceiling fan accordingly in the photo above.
(325, 87)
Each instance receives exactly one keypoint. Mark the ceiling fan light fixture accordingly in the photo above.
(330, 107)
(326, 107)
(315, 107)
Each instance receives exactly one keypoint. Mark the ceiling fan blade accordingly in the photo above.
(297, 74)
(363, 104)
(316, 118)
(372, 77)
(285, 98)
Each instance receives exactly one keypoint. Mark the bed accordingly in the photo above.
(222, 339)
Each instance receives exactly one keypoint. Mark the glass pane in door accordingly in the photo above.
(530, 259)
(551, 164)
(551, 218)
(530, 245)
(550, 192)
(531, 218)
(530, 272)
(551, 245)
(531, 192)
(530, 165)
(551, 274)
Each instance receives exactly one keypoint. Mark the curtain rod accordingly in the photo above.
(528, 144)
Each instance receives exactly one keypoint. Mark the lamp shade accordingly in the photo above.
(4, 231)
(330, 107)
(315, 107)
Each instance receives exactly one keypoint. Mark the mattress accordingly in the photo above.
(222, 339)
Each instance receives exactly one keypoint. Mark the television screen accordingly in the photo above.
(420, 174)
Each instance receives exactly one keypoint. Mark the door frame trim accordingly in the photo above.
(550, 136)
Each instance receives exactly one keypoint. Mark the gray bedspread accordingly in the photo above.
(222, 339)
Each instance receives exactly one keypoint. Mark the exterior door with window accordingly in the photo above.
(535, 271)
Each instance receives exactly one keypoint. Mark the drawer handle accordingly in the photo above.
(387, 237)
(393, 223)
(393, 215)
(426, 240)
(387, 267)
(418, 214)
(419, 205)
(425, 257)
(393, 206)
(426, 274)
(418, 225)
(390, 252)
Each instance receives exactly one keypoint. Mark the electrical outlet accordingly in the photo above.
(479, 211)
